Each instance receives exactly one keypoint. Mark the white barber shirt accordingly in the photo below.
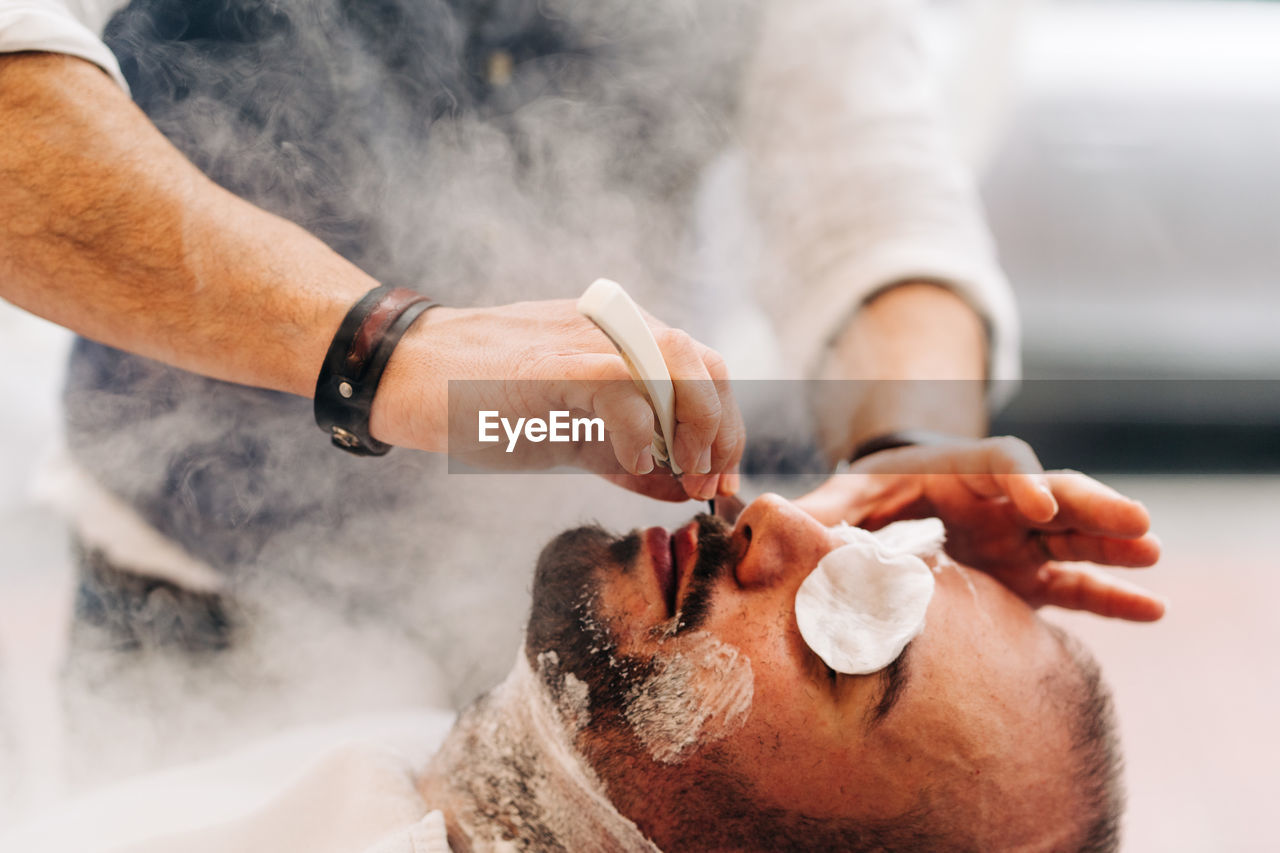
(842, 135)
(60, 26)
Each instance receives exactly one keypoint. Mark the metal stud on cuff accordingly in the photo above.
(355, 361)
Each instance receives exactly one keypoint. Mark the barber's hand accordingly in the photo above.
(1006, 516)
(545, 356)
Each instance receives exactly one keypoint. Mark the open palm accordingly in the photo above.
(1033, 531)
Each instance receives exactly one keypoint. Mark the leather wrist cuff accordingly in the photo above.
(354, 363)
(899, 438)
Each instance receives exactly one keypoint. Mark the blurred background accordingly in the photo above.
(1130, 159)
(1134, 190)
(1133, 187)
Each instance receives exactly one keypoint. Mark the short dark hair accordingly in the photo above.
(1096, 744)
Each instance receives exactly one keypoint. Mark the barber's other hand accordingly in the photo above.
(1006, 516)
(545, 356)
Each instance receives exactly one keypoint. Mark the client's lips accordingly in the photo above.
(657, 542)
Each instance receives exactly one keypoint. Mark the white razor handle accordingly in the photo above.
(607, 305)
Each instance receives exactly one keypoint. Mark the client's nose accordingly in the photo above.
(774, 540)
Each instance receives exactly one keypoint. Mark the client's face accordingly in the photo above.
(712, 722)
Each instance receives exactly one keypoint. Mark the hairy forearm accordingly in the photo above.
(927, 350)
(107, 229)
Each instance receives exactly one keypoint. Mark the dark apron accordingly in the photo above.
(319, 112)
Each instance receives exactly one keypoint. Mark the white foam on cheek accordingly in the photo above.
(573, 702)
(867, 599)
(700, 692)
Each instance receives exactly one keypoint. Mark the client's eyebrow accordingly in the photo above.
(893, 680)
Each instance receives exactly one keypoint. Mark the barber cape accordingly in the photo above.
(295, 792)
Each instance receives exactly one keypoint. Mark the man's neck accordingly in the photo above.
(509, 773)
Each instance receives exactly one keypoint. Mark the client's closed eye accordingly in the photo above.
(820, 669)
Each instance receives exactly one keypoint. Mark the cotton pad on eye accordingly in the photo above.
(867, 599)
(923, 537)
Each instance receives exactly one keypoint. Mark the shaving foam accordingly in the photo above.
(867, 599)
(700, 692)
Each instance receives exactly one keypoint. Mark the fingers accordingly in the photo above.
(570, 364)
(731, 438)
(1058, 500)
(631, 424)
(1091, 507)
(600, 384)
(1007, 466)
(698, 408)
(1083, 588)
(1075, 546)
(709, 432)
(709, 435)
(1001, 467)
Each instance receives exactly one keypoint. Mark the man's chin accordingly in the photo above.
(566, 580)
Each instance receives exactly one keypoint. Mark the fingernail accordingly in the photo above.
(1048, 493)
(730, 483)
(644, 462)
(703, 465)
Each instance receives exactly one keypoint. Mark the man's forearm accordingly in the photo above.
(110, 231)
(926, 347)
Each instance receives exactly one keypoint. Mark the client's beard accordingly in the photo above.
(564, 618)
(512, 768)
(648, 714)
